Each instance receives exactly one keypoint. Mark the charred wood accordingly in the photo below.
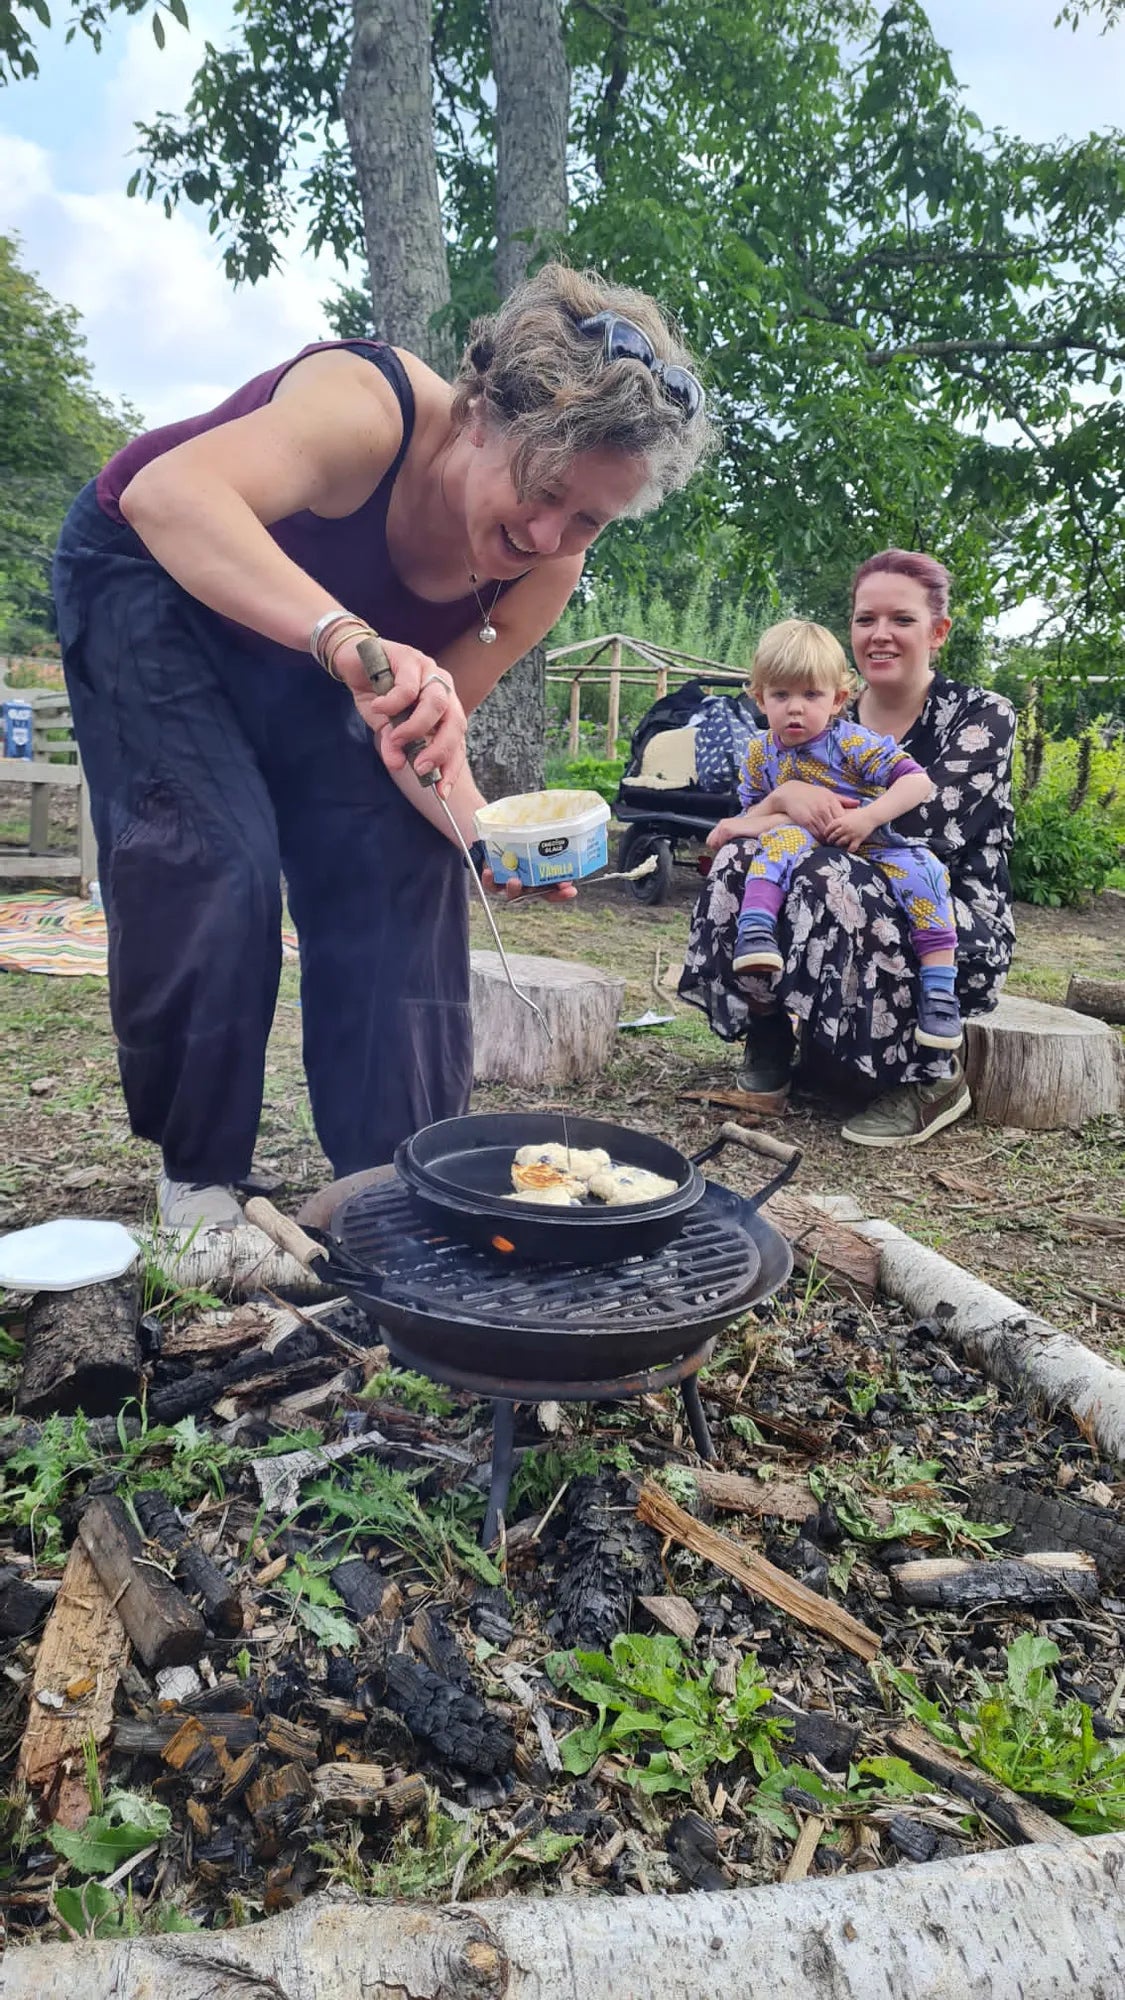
(947, 1583)
(455, 1724)
(222, 1605)
(610, 1559)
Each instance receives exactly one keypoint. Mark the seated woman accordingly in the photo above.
(849, 976)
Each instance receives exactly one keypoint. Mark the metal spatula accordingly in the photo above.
(378, 670)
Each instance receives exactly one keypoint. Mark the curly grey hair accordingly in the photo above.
(529, 371)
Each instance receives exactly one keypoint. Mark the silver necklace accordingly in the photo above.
(488, 634)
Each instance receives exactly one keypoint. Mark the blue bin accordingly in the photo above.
(19, 717)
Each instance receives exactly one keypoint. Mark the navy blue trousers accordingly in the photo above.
(212, 771)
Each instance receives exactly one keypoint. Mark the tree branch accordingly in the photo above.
(948, 350)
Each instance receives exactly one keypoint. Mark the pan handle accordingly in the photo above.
(755, 1201)
(785, 1173)
(311, 1247)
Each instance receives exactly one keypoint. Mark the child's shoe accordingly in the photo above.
(755, 945)
(938, 1024)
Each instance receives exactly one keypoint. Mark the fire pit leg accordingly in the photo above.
(503, 1450)
(701, 1436)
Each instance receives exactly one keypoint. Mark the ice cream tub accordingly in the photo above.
(541, 838)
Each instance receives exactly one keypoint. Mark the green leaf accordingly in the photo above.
(326, 1626)
(158, 30)
(100, 1846)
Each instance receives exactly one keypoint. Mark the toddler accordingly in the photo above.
(800, 678)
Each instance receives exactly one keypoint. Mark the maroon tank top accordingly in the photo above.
(348, 556)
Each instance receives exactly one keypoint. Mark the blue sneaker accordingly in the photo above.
(755, 945)
(938, 1022)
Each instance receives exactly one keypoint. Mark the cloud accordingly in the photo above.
(163, 325)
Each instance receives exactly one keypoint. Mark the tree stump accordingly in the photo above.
(1042, 1068)
(581, 1003)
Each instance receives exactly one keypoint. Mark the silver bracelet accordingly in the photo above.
(324, 625)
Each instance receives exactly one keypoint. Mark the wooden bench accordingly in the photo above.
(52, 742)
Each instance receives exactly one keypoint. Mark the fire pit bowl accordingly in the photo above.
(463, 1313)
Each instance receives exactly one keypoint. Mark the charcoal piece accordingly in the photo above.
(802, 1559)
(387, 1740)
(694, 1853)
(801, 1801)
(610, 1558)
(340, 1677)
(222, 1605)
(572, 1822)
(21, 1605)
(816, 1734)
(283, 1692)
(360, 1584)
(456, 1725)
(910, 1838)
(432, 1637)
(489, 1616)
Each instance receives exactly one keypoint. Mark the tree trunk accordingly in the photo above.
(532, 111)
(508, 731)
(1021, 1924)
(388, 110)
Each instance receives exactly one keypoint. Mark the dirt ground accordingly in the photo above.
(1038, 1214)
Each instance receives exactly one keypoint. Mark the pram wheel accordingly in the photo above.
(636, 846)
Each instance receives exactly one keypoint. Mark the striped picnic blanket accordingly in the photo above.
(42, 932)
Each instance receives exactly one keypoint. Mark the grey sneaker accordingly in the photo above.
(912, 1113)
(768, 1060)
(191, 1205)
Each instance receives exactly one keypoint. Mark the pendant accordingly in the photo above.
(487, 634)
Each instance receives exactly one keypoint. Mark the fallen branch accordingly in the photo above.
(755, 1574)
(231, 1261)
(733, 1492)
(947, 1583)
(1012, 1345)
(165, 1629)
(1027, 1924)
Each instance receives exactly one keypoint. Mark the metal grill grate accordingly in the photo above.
(711, 1265)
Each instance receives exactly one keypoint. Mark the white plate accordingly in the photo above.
(60, 1256)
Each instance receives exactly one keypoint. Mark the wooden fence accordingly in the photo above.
(618, 659)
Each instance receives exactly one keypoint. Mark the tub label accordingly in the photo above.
(557, 845)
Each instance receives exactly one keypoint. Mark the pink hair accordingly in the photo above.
(925, 570)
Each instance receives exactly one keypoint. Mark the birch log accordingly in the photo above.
(1012, 1345)
(1042, 1068)
(1026, 1923)
(231, 1262)
(582, 1005)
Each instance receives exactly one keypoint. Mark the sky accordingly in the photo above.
(163, 325)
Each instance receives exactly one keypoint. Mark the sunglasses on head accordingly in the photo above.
(622, 341)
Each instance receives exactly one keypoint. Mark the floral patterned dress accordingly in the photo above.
(850, 976)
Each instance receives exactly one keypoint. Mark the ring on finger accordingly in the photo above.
(441, 681)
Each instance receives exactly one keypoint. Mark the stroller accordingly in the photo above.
(681, 778)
